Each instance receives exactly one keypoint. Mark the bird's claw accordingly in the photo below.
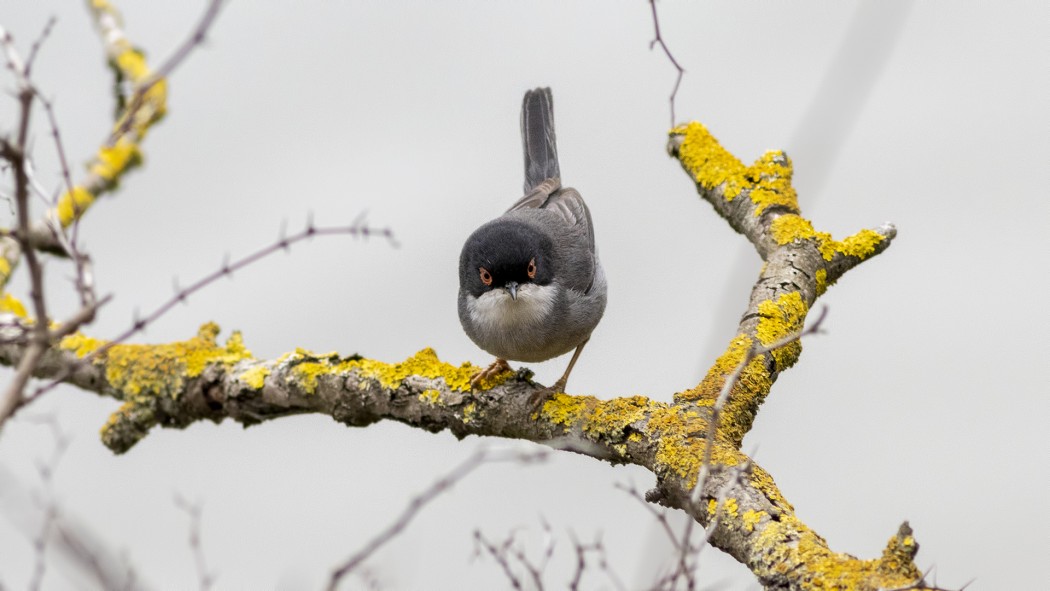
(498, 366)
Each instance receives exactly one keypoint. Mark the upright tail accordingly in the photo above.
(537, 137)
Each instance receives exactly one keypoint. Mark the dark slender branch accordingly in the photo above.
(481, 456)
(659, 40)
(38, 43)
(227, 268)
(193, 510)
(196, 38)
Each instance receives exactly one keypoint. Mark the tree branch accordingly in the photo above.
(176, 384)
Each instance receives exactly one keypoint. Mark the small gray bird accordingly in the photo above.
(530, 284)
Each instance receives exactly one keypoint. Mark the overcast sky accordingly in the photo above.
(926, 400)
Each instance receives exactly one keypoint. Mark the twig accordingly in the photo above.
(46, 471)
(182, 294)
(196, 38)
(659, 40)
(38, 43)
(193, 510)
(481, 456)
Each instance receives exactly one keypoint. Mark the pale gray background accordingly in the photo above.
(926, 400)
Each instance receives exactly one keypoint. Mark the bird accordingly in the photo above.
(531, 286)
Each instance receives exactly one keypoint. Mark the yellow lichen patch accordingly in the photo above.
(612, 417)
(770, 177)
(779, 320)
(132, 64)
(161, 370)
(72, 204)
(469, 412)
(751, 519)
(708, 162)
(788, 228)
(566, 410)
(822, 281)
(426, 364)
(860, 245)
(750, 390)
(729, 507)
(80, 345)
(787, 544)
(113, 161)
(430, 396)
(5, 269)
(10, 304)
(310, 367)
(255, 377)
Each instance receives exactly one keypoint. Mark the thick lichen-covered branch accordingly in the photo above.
(800, 263)
(176, 384)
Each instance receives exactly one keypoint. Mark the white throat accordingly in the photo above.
(495, 310)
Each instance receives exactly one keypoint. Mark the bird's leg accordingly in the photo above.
(498, 366)
(540, 396)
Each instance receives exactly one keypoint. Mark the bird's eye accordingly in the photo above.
(532, 269)
(486, 277)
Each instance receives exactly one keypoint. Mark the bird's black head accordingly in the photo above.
(503, 252)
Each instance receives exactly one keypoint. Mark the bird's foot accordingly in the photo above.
(498, 366)
(538, 397)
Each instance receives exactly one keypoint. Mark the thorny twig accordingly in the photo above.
(659, 40)
(225, 270)
(481, 456)
(196, 38)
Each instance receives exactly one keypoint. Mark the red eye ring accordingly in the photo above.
(532, 269)
(486, 277)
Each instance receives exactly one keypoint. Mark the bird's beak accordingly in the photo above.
(512, 289)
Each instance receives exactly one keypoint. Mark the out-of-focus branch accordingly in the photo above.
(480, 457)
(658, 39)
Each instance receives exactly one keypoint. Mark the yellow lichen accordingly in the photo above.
(255, 377)
(430, 396)
(786, 544)
(778, 320)
(822, 281)
(161, 370)
(750, 518)
(310, 367)
(10, 304)
(80, 344)
(113, 161)
(860, 245)
(469, 412)
(709, 163)
(770, 176)
(729, 507)
(788, 228)
(72, 204)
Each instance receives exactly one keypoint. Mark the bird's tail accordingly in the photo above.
(537, 137)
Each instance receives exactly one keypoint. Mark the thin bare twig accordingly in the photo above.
(38, 43)
(582, 550)
(659, 40)
(196, 38)
(46, 470)
(182, 294)
(193, 510)
(481, 456)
